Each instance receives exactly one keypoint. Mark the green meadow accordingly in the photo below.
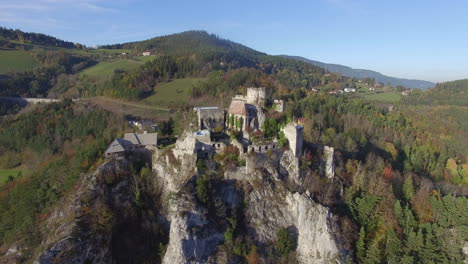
(16, 61)
(174, 92)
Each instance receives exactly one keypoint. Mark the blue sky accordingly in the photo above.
(412, 39)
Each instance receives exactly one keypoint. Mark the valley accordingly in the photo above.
(191, 148)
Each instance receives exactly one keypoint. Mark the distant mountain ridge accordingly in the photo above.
(362, 73)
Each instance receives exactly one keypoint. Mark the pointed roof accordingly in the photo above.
(144, 139)
(237, 107)
(118, 145)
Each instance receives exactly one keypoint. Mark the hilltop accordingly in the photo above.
(362, 74)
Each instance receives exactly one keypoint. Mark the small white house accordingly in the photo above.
(349, 90)
(146, 53)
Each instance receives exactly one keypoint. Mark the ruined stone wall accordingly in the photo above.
(263, 147)
(278, 105)
(256, 96)
(210, 118)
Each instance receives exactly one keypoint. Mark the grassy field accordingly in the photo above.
(105, 69)
(174, 92)
(16, 61)
(4, 174)
(387, 97)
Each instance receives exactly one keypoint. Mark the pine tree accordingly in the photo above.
(392, 248)
(361, 246)
(408, 188)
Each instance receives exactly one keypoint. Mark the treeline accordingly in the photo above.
(447, 93)
(57, 143)
(38, 82)
(34, 38)
(187, 43)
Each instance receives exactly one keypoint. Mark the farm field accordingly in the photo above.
(174, 92)
(16, 61)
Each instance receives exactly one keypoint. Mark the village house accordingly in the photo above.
(349, 90)
(143, 125)
(130, 143)
(405, 92)
(146, 53)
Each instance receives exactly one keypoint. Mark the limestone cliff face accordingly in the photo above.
(270, 208)
(173, 167)
(192, 238)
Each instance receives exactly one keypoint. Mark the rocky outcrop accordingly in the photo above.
(100, 222)
(173, 167)
(192, 238)
(289, 166)
(271, 207)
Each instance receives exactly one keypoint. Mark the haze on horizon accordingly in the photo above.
(408, 39)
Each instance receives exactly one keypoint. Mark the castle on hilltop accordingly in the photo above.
(245, 117)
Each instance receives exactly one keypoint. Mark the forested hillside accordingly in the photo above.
(447, 93)
(55, 144)
(32, 38)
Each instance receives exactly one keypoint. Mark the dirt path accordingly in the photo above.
(118, 101)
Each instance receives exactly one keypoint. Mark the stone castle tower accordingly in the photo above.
(256, 96)
(294, 134)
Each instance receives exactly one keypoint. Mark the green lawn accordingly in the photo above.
(105, 69)
(16, 61)
(388, 97)
(4, 173)
(174, 92)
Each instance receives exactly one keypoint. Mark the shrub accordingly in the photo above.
(202, 186)
(284, 242)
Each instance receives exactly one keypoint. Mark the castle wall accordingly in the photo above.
(278, 105)
(210, 118)
(263, 148)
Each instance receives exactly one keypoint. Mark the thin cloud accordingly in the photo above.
(48, 5)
